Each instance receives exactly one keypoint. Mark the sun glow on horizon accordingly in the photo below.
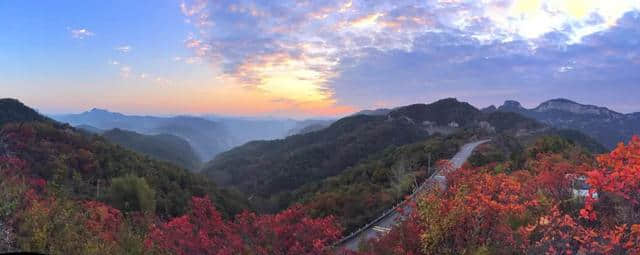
(306, 58)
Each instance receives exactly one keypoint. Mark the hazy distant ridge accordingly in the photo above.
(606, 126)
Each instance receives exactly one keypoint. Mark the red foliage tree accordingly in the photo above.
(557, 233)
(474, 212)
(288, 232)
(102, 220)
(618, 176)
(203, 231)
(483, 210)
(402, 239)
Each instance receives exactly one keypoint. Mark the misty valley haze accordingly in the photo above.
(212, 135)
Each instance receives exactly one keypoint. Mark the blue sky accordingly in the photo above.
(310, 58)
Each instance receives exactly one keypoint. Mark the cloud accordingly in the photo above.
(124, 49)
(194, 8)
(125, 71)
(340, 52)
(448, 64)
(564, 69)
(161, 81)
(366, 21)
(193, 60)
(196, 13)
(81, 33)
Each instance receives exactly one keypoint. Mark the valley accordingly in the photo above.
(208, 135)
(348, 171)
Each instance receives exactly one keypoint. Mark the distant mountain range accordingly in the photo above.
(606, 126)
(208, 135)
(211, 135)
(208, 138)
(243, 130)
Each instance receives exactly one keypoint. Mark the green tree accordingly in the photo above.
(131, 193)
(549, 144)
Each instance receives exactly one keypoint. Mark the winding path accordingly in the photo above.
(384, 224)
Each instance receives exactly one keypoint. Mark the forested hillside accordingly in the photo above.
(268, 167)
(362, 164)
(84, 166)
(69, 192)
(265, 168)
(162, 147)
(364, 191)
(66, 191)
(12, 110)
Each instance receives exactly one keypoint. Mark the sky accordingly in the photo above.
(307, 58)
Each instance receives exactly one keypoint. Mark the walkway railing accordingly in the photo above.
(388, 212)
(393, 209)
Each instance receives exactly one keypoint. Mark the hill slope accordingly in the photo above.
(308, 126)
(268, 167)
(164, 147)
(82, 165)
(90, 129)
(606, 126)
(12, 110)
(265, 169)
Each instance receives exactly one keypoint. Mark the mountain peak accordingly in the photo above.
(512, 103)
(102, 112)
(447, 100)
(98, 110)
(489, 109)
(441, 112)
(511, 106)
(560, 101)
(10, 101)
(567, 105)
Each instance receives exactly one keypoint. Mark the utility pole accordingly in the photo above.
(429, 165)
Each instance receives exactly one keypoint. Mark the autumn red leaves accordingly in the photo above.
(203, 231)
(498, 210)
(491, 209)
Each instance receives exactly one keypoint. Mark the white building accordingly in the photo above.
(581, 188)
